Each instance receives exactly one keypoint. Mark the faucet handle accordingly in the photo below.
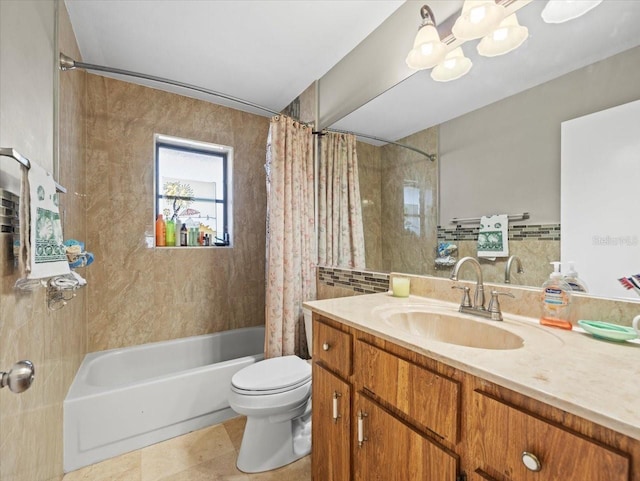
(466, 299)
(494, 305)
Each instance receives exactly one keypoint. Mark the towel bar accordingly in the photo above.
(476, 220)
(14, 154)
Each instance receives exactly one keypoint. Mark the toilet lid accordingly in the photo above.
(273, 375)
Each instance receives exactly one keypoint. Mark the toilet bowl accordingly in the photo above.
(275, 396)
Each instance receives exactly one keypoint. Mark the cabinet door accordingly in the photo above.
(331, 427)
(507, 435)
(392, 451)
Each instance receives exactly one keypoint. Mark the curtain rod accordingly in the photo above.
(431, 157)
(67, 63)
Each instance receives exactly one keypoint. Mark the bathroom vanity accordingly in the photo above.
(392, 403)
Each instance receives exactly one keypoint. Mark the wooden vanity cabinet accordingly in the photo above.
(507, 436)
(389, 450)
(331, 426)
(331, 402)
(382, 412)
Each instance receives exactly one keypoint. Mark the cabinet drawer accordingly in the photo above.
(332, 348)
(505, 433)
(430, 399)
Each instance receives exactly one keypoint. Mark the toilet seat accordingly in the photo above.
(272, 376)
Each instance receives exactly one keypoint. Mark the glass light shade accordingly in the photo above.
(559, 11)
(454, 66)
(507, 37)
(428, 50)
(478, 18)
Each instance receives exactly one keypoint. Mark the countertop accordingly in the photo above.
(571, 370)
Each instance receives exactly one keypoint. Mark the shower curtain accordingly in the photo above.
(291, 245)
(340, 230)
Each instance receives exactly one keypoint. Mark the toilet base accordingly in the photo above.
(267, 445)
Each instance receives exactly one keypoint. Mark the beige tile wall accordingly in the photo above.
(141, 294)
(370, 178)
(383, 172)
(31, 422)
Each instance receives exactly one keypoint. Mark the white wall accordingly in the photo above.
(505, 158)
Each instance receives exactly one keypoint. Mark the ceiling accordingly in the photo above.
(268, 52)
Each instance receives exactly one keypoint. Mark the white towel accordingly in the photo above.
(42, 251)
(493, 238)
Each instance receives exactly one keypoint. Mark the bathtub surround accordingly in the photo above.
(291, 247)
(212, 289)
(399, 196)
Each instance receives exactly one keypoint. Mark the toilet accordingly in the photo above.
(275, 396)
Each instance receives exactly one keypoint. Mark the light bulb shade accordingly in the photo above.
(454, 66)
(428, 50)
(507, 37)
(478, 18)
(559, 11)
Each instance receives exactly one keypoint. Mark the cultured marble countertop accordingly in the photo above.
(571, 370)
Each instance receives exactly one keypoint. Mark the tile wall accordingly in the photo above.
(56, 342)
(141, 294)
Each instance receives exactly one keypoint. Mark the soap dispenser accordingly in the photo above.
(556, 300)
(571, 278)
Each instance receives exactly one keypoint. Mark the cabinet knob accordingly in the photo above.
(326, 346)
(531, 461)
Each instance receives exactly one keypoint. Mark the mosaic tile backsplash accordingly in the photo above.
(365, 282)
(516, 232)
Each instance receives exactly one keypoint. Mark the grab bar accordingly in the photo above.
(14, 154)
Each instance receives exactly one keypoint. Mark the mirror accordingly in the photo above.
(503, 157)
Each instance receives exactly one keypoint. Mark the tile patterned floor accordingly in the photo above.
(208, 454)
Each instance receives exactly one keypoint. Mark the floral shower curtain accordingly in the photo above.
(340, 230)
(291, 245)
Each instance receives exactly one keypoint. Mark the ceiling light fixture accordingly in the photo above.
(559, 11)
(478, 19)
(507, 37)
(454, 66)
(428, 50)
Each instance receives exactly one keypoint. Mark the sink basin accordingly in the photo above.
(451, 329)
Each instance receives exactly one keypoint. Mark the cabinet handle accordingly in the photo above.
(361, 436)
(531, 461)
(335, 416)
(326, 346)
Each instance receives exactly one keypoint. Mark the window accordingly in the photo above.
(193, 186)
(412, 207)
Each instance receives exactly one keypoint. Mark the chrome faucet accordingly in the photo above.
(478, 296)
(477, 308)
(507, 269)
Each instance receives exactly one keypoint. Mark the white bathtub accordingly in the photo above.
(125, 399)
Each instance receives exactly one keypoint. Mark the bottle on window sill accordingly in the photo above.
(184, 235)
(160, 231)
